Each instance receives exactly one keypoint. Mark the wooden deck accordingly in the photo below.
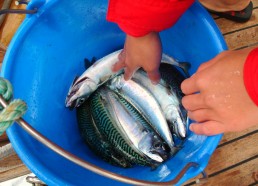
(234, 162)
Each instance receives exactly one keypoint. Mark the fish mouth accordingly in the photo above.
(70, 100)
(69, 103)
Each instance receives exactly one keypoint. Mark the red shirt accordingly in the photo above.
(251, 75)
(140, 17)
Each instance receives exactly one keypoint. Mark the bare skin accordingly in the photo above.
(225, 5)
(216, 97)
(142, 52)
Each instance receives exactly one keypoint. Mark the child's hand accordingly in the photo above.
(142, 52)
(216, 97)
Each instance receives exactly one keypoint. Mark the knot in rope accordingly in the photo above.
(14, 110)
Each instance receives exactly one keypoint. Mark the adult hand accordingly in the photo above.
(216, 97)
(142, 52)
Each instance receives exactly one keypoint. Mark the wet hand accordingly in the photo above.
(216, 98)
(140, 52)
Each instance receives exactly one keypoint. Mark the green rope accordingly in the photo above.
(14, 110)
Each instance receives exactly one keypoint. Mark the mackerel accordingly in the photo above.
(91, 79)
(167, 99)
(105, 124)
(135, 130)
(99, 73)
(95, 140)
(145, 103)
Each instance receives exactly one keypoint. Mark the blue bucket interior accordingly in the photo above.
(46, 54)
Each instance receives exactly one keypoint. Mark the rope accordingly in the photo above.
(14, 110)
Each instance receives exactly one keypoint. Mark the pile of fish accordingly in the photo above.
(131, 122)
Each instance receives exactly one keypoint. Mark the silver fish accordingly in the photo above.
(91, 79)
(145, 103)
(167, 99)
(99, 73)
(185, 66)
(141, 139)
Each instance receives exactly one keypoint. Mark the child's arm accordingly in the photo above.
(142, 20)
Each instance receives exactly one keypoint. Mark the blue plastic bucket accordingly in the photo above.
(48, 51)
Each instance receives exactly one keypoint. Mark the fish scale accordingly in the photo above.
(137, 115)
(163, 151)
(141, 136)
(104, 123)
(174, 78)
(95, 140)
(146, 104)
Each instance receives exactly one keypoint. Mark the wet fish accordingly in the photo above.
(91, 79)
(167, 99)
(95, 140)
(172, 76)
(100, 72)
(185, 66)
(146, 104)
(142, 138)
(105, 123)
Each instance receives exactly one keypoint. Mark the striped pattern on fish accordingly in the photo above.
(95, 140)
(104, 122)
(146, 104)
(139, 134)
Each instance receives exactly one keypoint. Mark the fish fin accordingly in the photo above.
(93, 60)
(88, 63)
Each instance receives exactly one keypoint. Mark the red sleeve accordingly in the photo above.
(251, 75)
(140, 17)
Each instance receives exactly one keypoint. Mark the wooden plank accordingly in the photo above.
(242, 38)
(244, 174)
(230, 155)
(3, 137)
(255, 3)
(9, 163)
(14, 173)
(2, 52)
(12, 167)
(227, 137)
(10, 25)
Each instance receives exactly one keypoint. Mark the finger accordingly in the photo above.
(207, 128)
(193, 102)
(121, 56)
(188, 86)
(128, 73)
(118, 66)
(201, 115)
(121, 62)
(154, 77)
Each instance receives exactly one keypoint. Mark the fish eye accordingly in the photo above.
(81, 101)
